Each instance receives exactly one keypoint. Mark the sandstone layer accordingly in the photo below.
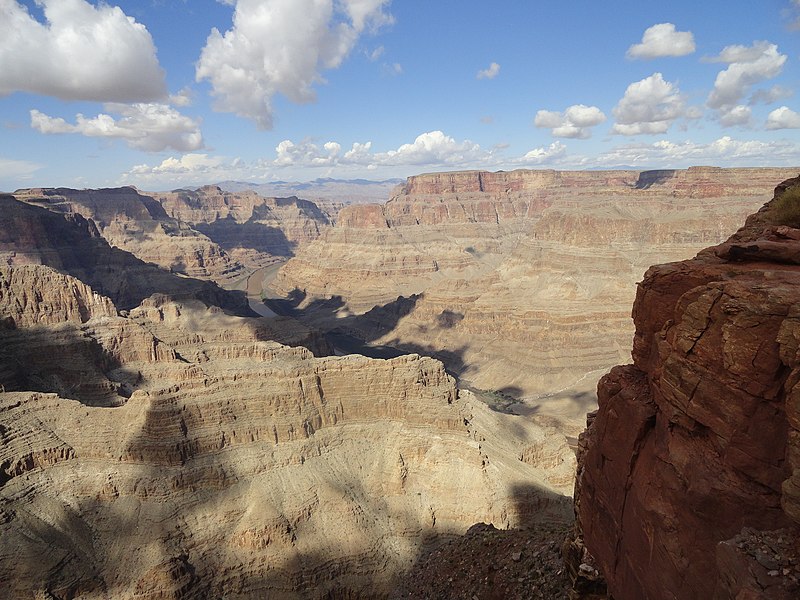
(72, 244)
(256, 230)
(688, 484)
(137, 223)
(174, 450)
(520, 281)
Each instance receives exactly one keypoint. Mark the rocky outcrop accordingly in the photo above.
(524, 278)
(72, 244)
(690, 467)
(37, 295)
(254, 229)
(177, 453)
(136, 222)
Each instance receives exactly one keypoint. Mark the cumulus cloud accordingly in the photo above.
(662, 40)
(490, 73)
(783, 118)
(735, 115)
(747, 66)
(82, 52)
(649, 106)
(575, 122)
(188, 169)
(148, 127)
(542, 155)
(432, 148)
(188, 163)
(282, 47)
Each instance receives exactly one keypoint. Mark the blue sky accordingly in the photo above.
(165, 93)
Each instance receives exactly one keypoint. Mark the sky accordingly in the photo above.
(163, 94)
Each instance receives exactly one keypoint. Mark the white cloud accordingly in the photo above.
(575, 122)
(783, 118)
(281, 47)
(376, 53)
(188, 169)
(793, 14)
(149, 127)
(724, 151)
(188, 163)
(83, 52)
(542, 155)
(17, 169)
(490, 73)
(662, 40)
(392, 69)
(434, 148)
(649, 106)
(307, 153)
(770, 95)
(747, 66)
(735, 115)
(182, 98)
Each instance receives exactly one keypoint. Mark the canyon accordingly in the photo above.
(160, 438)
(521, 282)
(175, 449)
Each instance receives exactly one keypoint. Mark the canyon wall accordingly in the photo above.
(520, 281)
(205, 234)
(137, 223)
(256, 230)
(687, 485)
(72, 244)
(175, 450)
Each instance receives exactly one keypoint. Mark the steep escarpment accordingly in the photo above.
(254, 229)
(137, 223)
(688, 478)
(72, 244)
(176, 452)
(521, 281)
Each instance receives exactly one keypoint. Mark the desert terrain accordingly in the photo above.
(177, 378)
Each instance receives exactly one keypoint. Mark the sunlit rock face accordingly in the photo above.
(206, 233)
(255, 230)
(136, 222)
(688, 476)
(175, 450)
(523, 279)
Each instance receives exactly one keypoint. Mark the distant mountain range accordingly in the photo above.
(345, 191)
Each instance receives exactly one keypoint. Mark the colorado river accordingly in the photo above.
(255, 283)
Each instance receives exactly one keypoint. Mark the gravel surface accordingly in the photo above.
(491, 564)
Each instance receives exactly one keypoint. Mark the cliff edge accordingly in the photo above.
(689, 472)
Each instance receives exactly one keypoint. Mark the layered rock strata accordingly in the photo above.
(177, 453)
(523, 279)
(254, 229)
(138, 224)
(72, 244)
(689, 470)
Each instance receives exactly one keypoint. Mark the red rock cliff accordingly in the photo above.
(698, 441)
